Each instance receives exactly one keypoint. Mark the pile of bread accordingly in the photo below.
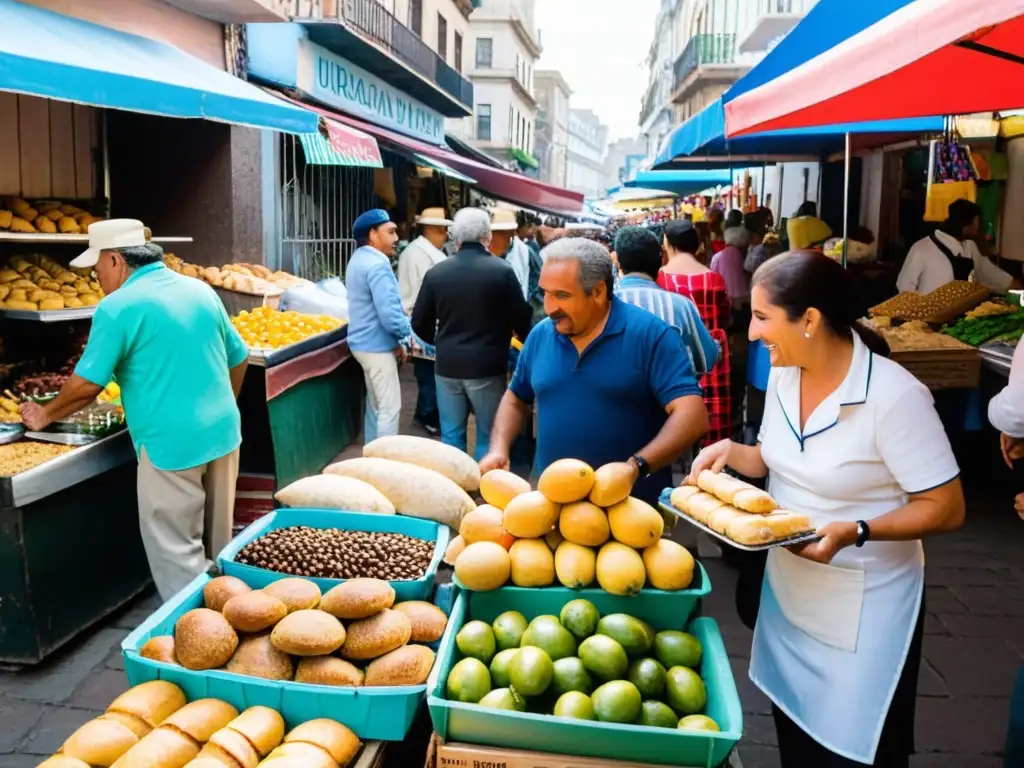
(737, 510)
(48, 217)
(152, 726)
(288, 631)
(39, 283)
(242, 277)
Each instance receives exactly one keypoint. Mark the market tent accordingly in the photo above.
(927, 57)
(682, 183)
(700, 142)
(47, 54)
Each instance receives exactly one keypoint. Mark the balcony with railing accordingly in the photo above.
(393, 51)
(703, 55)
(770, 21)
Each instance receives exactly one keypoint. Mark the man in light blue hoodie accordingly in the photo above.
(377, 323)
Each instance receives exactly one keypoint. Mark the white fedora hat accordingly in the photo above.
(108, 235)
(503, 220)
(433, 217)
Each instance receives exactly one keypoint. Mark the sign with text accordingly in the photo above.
(332, 80)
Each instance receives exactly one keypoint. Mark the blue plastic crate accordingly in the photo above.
(470, 723)
(286, 517)
(381, 714)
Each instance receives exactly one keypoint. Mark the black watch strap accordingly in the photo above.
(863, 533)
(641, 464)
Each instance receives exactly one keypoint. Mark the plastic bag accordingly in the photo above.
(329, 297)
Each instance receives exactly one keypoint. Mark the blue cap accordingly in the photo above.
(367, 221)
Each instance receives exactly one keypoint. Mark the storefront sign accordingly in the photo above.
(332, 80)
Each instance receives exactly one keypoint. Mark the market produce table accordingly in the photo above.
(300, 408)
(70, 550)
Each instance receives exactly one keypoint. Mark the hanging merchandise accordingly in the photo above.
(951, 176)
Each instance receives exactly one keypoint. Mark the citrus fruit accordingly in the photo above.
(503, 698)
(530, 671)
(546, 633)
(617, 701)
(653, 713)
(469, 681)
(633, 635)
(571, 675)
(685, 691)
(646, 674)
(698, 723)
(580, 617)
(677, 649)
(603, 657)
(576, 705)
(499, 667)
(476, 639)
(508, 629)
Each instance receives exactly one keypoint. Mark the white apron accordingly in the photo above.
(831, 640)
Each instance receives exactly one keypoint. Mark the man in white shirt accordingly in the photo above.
(418, 257)
(950, 253)
(505, 245)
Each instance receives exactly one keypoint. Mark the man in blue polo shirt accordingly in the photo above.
(611, 382)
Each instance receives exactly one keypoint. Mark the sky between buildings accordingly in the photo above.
(600, 47)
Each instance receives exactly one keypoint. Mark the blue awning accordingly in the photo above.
(682, 182)
(47, 54)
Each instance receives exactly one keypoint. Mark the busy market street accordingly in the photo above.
(511, 384)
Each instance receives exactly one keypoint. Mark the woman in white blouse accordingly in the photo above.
(853, 440)
(950, 253)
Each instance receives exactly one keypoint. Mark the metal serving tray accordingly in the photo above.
(799, 538)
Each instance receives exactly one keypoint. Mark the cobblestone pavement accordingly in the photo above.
(973, 647)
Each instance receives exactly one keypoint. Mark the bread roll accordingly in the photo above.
(72, 302)
(208, 761)
(256, 656)
(752, 529)
(308, 755)
(237, 746)
(720, 519)
(45, 226)
(151, 702)
(203, 639)
(53, 213)
(700, 505)
(159, 648)
(163, 748)
(6, 217)
(334, 738)
(12, 303)
(53, 303)
(262, 726)
(218, 591)
(733, 491)
(328, 670)
(63, 761)
(754, 500)
(99, 742)
(200, 719)
(134, 724)
(254, 611)
(19, 224)
(297, 594)
(68, 226)
(8, 276)
(681, 494)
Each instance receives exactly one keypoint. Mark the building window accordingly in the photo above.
(483, 122)
(458, 53)
(416, 16)
(442, 37)
(484, 52)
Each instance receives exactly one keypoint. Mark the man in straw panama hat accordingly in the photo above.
(419, 256)
(507, 246)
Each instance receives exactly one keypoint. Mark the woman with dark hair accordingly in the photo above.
(950, 253)
(851, 439)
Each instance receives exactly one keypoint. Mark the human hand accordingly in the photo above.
(400, 354)
(494, 460)
(34, 417)
(1012, 448)
(713, 458)
(834, 537)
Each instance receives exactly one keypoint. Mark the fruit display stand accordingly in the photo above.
(74, 515)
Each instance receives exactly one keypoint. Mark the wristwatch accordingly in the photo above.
(863, 533)
(641, 465)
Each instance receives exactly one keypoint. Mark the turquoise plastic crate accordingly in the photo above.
(473, 724)
(380, 714)
(286, 517)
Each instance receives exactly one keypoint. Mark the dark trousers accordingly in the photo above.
(426, 396)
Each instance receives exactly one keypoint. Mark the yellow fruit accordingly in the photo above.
(483, 566)
(553, 539)
(499, 487)
(455, 547)
(530, 515)
(566, 480)
(482, 524)
(612, 483)
(620, 569)
(635, 523)
(575, 565)
(669, 565)
(533, 564)
(583, 523)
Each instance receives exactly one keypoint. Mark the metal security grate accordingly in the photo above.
(319, 204)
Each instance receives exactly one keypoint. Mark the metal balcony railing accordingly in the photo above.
(704, 49)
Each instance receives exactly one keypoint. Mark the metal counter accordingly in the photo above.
(996, 356)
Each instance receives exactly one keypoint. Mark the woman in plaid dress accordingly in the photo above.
(683, 273)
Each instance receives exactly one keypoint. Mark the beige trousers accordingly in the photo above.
(185, 518)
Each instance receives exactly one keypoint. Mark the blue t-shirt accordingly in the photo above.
(609, 402)
(169, 344)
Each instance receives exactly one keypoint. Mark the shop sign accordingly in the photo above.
(332, 80)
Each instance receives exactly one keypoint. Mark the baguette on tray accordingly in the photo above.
(701, 505)
(761, 529)
(741, 495)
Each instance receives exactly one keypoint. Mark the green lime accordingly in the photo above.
(469, 681)
(603, 657)
(476, 639)
(617, 702)
(508, 629)
(531, 671)
(632, 634)
(685, 691)
(546, 633)
(698, 723)
(571, 675)
(656, 714)
(677, 649)
(575, 705)
(580, 617)
(499, 667)
(646, 674)
(503, 698)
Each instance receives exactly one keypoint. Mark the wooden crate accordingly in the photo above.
(940, 369)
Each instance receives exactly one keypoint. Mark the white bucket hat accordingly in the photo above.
(110, 234)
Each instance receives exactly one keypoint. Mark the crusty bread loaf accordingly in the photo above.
(755, 501)
(237, 746)
(99, 742)
(739, 494)
(307, 755)
(761, 529)
(151, 702)
(262, 726)
(334, 738)
(681, 494)
(700, 505)
(163, 748)
(200, 719)
(721, 518)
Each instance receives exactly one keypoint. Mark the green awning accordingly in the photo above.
(319, 151)
(442, 168)
(524, 158)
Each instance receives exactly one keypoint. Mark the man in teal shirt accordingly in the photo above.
(167, 341)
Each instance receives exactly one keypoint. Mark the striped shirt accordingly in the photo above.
(678, 311)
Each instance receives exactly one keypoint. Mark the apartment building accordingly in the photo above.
(622, 160)
(552, 132)
(588, 144)
(442, 24)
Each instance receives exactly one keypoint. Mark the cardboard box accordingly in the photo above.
(456, 755)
